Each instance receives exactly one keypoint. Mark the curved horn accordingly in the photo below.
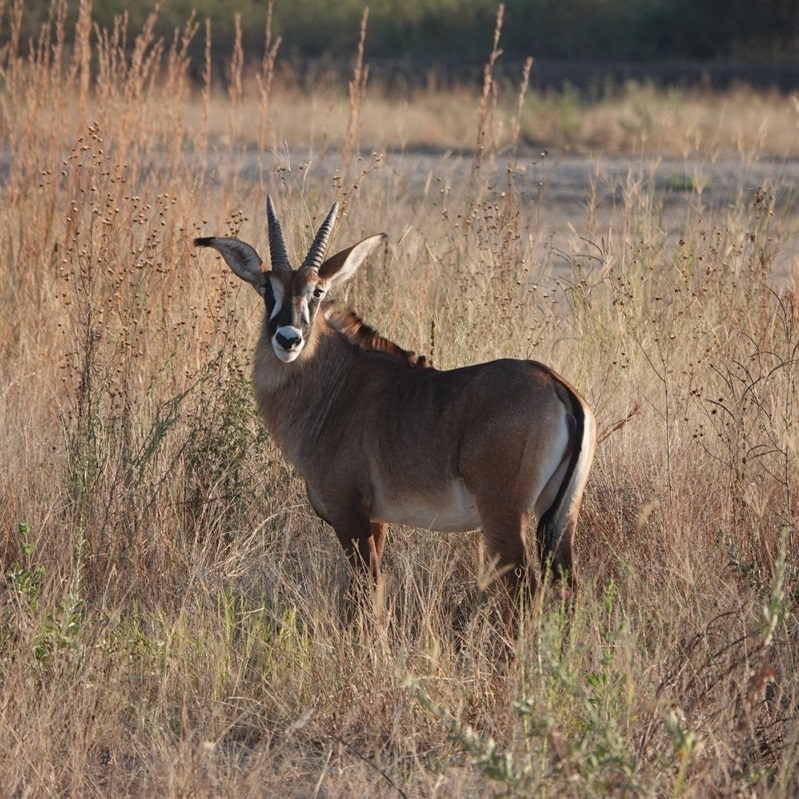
(277, 249)
(317, 251)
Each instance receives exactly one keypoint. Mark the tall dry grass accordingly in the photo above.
(638, 119)
(170, 607)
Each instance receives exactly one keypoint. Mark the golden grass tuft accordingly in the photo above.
(170, 607)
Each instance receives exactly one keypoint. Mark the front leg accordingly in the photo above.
(379, 530)
(360, 547)
(361, 541)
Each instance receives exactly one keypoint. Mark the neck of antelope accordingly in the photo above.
(295, 399)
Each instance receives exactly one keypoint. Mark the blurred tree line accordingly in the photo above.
(460, 31)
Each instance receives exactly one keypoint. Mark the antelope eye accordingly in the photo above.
(318, 293)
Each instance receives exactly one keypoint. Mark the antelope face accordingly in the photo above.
(292, 300)
(292, 296)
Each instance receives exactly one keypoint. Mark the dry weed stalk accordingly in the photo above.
(485, 142)
(356, 94)
(264, 80)
(235, 90)
(516, 123)
(201, 144)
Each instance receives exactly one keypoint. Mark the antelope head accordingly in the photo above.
(292, 296)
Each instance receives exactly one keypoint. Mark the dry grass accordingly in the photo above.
(639, 119)
(170, 606)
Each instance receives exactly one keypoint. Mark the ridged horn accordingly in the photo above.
(277, 249)
(317, 252)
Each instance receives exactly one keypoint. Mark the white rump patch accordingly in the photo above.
(553, 470)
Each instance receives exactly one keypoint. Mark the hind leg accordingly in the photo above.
(555, 535)
(504, 534)
(563, 558)
(556, 548)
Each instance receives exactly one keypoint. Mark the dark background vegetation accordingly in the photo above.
(689, 40)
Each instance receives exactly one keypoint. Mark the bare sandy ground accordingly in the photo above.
(575, 200)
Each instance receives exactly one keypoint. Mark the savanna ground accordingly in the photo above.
(171, 609)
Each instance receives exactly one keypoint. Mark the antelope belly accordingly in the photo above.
(451, 510)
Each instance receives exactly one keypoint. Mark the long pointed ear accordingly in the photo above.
(240, 257)
(343, 265)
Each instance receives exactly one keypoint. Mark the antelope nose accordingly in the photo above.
(288, 341)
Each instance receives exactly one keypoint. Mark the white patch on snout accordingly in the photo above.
(288, 331)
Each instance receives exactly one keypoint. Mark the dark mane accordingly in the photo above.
(356, 331)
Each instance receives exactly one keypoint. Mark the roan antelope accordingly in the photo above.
(380, 436)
